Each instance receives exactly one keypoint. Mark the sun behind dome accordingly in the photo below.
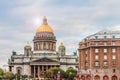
(44, 27)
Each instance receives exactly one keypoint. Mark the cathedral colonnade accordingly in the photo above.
(36, 70)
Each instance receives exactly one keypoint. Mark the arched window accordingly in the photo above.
(114, 77)
(83, 77)
(105, 77)
(88, 77)
(19, 70)
(97, 77)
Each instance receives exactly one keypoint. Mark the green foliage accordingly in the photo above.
(54, 71)
(1, 72)
(17, 76)
(1, 77)
(71, 73)
(24, 76)
(49, 74)
(9, 75)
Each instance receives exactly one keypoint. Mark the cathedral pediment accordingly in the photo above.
(45, 59)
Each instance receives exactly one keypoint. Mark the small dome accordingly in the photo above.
(44, 27)
(62, 46)
(27, 45)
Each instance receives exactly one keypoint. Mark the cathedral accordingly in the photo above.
(43, 56)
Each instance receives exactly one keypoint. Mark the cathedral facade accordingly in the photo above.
(43, 56)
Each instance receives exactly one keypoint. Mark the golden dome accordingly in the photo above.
(27, 44)
(44, 27)
(62, 45)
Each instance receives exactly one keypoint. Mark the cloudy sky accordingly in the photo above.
(71, 20)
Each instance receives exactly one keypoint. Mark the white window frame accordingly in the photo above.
(113, 50)
(105, 63)
(105, 50)
(105, 57)
(96, 63)
(105, 43)
(96, 43)
(96, 57)
(113, 43)
(96, 50)
(113, 57)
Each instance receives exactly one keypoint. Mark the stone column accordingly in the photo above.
(38, 71)
(34, 71)
(46, 67)
(30, 70)
(42, 68)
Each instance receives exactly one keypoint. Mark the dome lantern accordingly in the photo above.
(44, 27)
(45, 21)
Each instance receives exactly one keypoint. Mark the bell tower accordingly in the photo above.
(61, 50)
(27, 50)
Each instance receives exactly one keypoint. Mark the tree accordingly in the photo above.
(9, 75)
(24, 76)
(49, 74)
(17, 76)
(1, 73)
(54, 72)
(71, 73)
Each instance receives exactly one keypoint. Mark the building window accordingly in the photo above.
(105, 50)
(113, 50)
(113, 43)
(96, 43)
(105, 63)
(96, 57)
(113, 37)
(113, 57)
(96, 63)
(105, 57)
(105, 37)
(96, 37)
(105, 43)
(105, 70)
(114, 70)
(96, 50)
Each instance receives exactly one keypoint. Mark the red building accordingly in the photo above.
(99, 56)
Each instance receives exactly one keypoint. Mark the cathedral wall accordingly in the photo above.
(18, 60)
(71, 60)
(26, 69)
(15, 68)
(65, 67)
